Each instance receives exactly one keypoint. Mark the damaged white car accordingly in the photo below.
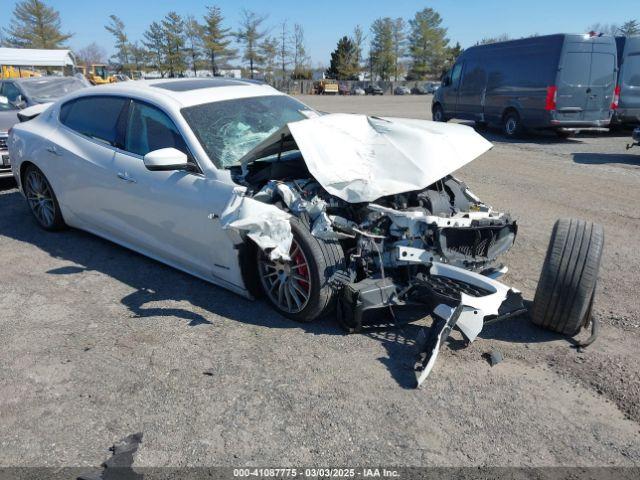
(248, 188)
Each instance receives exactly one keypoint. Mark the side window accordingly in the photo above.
(10, 91)
(94, 117)
(455, 74)
(150, 129)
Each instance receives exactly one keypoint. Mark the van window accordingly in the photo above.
(575, 69)
(150, 129)
(94, 117)
(455, 74)
(631, 76)
(602, 69)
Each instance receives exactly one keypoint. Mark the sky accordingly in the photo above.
(325, 21)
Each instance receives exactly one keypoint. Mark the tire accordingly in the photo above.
(324, 258)
(564, 297)
(41, 199)
(437, 113)
(512, 125)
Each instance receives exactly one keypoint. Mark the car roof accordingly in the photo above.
(186, 92)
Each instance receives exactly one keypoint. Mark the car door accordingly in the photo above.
(81, 154)
(167, 213)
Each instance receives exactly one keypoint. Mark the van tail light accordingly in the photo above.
(552, 94)
(616, 98)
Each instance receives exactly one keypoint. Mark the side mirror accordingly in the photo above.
(166, 159)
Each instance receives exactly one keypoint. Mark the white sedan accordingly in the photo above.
(248, 188)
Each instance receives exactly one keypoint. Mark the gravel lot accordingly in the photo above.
(99, 342)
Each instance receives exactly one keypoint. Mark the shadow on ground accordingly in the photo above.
(606, 158)
(154, 282)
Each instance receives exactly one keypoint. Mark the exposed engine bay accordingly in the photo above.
(411, 235)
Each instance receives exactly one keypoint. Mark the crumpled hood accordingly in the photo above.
(360, 159)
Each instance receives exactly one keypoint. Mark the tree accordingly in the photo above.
(249, 35)
(173, 28)
(117, 29)
(154, 40)
(35, 25)
(500, 38)
(358, 39)
(427, 44)
(92, 53)
(629, 28)
(268, 53)
(344, 65)
(284, 49)
(453, 53)
(300, 58)
(216, 39)
(399, 38)
(139, 56)
(194, 33)
(381, 50)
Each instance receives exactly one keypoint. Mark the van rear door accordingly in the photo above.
(602, 80)
(630, 79)
(586, 81)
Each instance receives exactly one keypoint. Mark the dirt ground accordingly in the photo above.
(99, 342)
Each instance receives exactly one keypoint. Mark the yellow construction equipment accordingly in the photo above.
(13, 72)
(96, 73)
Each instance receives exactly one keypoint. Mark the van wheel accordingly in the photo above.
(512, 125)
(437, 113)
(564, 297)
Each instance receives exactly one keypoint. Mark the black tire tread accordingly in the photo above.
(569, 276)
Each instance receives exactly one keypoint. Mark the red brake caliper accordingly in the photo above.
(303, 271)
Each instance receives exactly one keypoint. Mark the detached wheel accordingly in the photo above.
(303, 288)
(42, 200)
(512, 125)
(437, 113)
(564, 297)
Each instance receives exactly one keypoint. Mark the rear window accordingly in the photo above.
(602, 69)
(631, 76)
(575, 69)
(94, 117)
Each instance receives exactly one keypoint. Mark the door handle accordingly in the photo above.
(125, 176)
(53, 149)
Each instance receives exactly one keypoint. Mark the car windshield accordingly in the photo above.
(229, 129)
(43, 90)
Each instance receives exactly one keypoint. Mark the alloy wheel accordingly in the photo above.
(40, 198)
(286, 283)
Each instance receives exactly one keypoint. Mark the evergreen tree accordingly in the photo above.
(399, 36)
(117, 29)
(300, 58)
(268, 50)
(216, 39)
(35, 25)
(284, 49)
(427, 44)
(154, 40)
(249, 35)
(344, 65)
(382, 51)
(194, 33)
(175, 58)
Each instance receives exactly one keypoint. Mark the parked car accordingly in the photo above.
(628, 87)
(560, 82)
(355, 90)
(419, 90)
(26, 92)
(373, 89)
(232, 182)
(432, 87)
(8, 117)
(401, 90)
(343, 88)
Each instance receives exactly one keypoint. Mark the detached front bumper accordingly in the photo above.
(453, 296)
